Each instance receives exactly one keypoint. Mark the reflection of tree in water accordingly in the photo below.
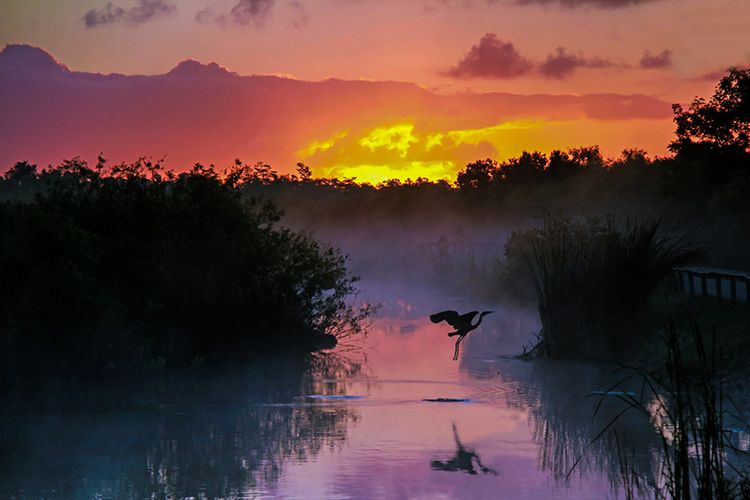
(462, 461)
(231, 436)
(567, 420)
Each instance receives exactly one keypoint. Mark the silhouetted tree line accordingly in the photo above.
(105, 268)
(709, 168)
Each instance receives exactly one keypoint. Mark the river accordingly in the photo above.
(388, 414)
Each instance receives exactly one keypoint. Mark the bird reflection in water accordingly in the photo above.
(462, 461)
(461, 322)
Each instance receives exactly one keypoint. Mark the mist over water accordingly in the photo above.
(385, 415)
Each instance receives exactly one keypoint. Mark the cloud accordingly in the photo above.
(661, 60)
(491, 58)
(299, 14)
(572, 4)
(246, 11)
(715, 76)
(205, 15)
(494, 58)
(561, 64)
(144, 11)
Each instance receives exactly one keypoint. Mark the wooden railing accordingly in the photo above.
(721, 284)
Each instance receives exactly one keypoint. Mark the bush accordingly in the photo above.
(592, 278)
(111, 267)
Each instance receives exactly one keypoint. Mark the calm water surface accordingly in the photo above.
(350, 424)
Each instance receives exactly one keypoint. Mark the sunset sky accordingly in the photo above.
(470, 61)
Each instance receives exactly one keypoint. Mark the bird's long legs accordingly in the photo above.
(458, 343)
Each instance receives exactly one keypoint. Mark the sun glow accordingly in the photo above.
(410, 150)
(375, 174)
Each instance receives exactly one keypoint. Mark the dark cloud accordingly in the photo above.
(491, 58)
(299, 14)
(205, 15)
(661, 60)
(572, 4)
(106, 15)
(561, 64)
(246, 11)
(140, 13)
(494, 58)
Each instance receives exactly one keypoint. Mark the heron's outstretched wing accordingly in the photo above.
(450, 317)
(468, 317)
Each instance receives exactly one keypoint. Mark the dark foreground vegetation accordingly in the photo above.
(697, 421)
(116, 269)
(593, 280)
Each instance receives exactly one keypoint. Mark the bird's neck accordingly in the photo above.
(479, 320)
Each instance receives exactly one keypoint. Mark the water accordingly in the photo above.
(387, 416)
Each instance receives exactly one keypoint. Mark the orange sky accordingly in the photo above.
(461, 54)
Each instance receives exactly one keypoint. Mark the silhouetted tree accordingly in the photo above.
(723, 121)
(527, 169)
(561, 166)
(589, 158)
(304, 172)
(476, 175)
(21, 173)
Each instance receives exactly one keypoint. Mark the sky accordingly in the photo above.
(666, 50)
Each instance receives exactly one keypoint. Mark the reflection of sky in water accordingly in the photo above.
(389, 450)
(368, 433)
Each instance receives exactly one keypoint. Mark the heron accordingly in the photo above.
(461, 322)
(462, 461)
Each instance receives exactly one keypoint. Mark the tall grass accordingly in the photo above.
(694, 418)
(593, 277)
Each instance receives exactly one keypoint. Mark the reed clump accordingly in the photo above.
(592, 278)
(695, 419)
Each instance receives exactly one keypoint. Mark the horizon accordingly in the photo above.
(466, 84)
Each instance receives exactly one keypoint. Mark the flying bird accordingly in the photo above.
(461, 322)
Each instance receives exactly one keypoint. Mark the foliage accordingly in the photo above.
(723, 121)
(477, 175)
(592, 278)
(112, 266)
(694, 418)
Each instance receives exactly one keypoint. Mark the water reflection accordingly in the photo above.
(581, 428)
(227, 436)
(462, 461)
(373, 425)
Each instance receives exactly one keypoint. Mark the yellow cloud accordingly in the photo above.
(434, 140)
(324, 145)
(474, 136)
(397, 137)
